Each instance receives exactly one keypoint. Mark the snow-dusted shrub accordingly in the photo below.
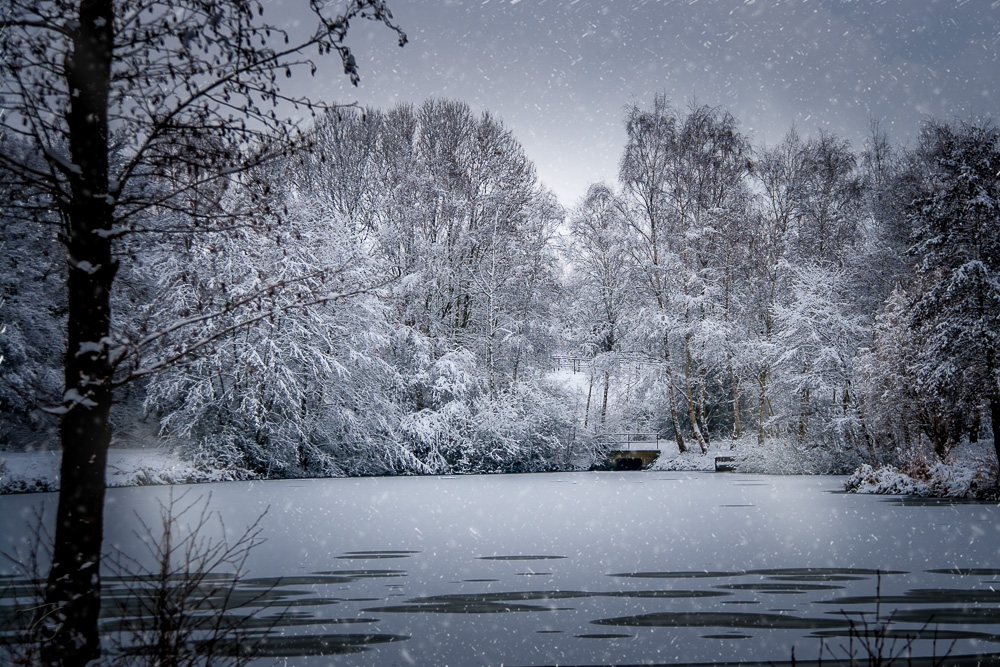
(956, 478)
(784, 457)
(520, 430)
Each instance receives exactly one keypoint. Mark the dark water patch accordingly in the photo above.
(462, 607)
(704, 574)
(292, 646)
(740, 602)
(211, 622)
(816, 577)
(605, 635)
(517, 601)
(517, 558)
(126, 602)
(963, 615)
(349, 576)
(967, 660)
(548, 632)
(790, 587)
(402, 552)
(20, 590)
(665, 595)
(338, 621)
(968, 571)
(723, 620)
(823, 572)
(534, 596)
(512, 596)
(534, 574)
(786, 574)
(376, 555)
(331, 577)
(204, 577)
(922, 596)
(859, 634)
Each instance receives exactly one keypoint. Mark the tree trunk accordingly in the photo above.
(761, 407)
(590, 392)
(690, 396)
(672, 399)
(702, 405)
(604, 403)
(736, 402)
(803, 416)
(995, 423)
(73, 593)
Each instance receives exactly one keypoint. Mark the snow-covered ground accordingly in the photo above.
(22, 472)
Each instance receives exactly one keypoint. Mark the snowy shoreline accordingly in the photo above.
(38, 471)
(968, 474)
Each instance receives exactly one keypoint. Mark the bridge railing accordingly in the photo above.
(580, 364)
(575, 364)
(630, 442)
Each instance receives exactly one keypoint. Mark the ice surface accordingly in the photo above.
(594, 568)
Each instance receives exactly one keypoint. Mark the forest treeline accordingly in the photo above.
(389, 295)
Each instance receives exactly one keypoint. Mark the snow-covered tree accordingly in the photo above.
(684, 185)
(816, 342)
(955, 220)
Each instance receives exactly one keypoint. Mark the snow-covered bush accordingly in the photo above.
(785, 457)
(521, 430)
(959, 477)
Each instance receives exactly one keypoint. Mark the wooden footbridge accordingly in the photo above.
(629, 451)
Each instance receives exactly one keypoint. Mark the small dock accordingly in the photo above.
(630, 451)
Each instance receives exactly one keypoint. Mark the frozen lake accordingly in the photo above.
(595, 568)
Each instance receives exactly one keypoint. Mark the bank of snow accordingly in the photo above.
(969, 472)
(25, 472)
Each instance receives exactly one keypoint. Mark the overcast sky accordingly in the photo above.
(559, 72)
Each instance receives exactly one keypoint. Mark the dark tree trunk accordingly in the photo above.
(604, 403)
(674, 419)
(73, 589)
(995, 423)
